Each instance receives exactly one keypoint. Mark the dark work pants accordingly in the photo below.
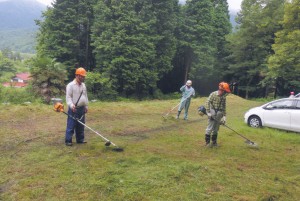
(75, 126)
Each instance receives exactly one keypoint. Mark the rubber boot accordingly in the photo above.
(178, 113)
(207, 140)
(214, 140)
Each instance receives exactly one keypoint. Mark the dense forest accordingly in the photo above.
(146, 48)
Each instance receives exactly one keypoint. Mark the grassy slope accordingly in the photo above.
(163, 160)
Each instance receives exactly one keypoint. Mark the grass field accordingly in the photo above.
(162, 159)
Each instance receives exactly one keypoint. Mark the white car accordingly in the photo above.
(282, 114)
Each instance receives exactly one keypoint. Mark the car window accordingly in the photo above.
(281, 104)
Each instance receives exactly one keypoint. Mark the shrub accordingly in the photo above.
(16, 95)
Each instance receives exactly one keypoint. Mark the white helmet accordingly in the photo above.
(189, 83)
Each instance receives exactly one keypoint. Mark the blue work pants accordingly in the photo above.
(74, 126)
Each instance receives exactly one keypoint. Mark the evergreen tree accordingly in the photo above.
(99, 86)
(284, 65)
(222, 27)
(197, 39)
(251, 45)
(6, 65)
(165, 13)
(133, 43)
(48, 78)
(202, 27)
(65, 33)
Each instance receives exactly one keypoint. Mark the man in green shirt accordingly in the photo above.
(216, 112)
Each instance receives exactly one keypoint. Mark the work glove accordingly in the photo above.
(223, 120)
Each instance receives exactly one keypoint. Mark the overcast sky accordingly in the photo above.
(47, 2)
(233, 4)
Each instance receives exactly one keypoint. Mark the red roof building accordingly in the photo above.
(19, 80)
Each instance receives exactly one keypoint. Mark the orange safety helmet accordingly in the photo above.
(225, 87)
(80, 71)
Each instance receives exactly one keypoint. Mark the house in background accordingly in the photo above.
(19, 80)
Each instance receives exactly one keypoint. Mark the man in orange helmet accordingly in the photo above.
(216, 112)
(77, 101)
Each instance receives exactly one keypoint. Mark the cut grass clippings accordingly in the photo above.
(163, 159)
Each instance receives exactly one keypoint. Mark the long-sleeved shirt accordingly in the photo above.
(187, 92)
(216, 102)
(73, 92)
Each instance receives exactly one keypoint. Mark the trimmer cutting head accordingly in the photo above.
(253, 144)
(117, 149)
(165, 118)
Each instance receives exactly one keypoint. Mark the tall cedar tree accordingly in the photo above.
(284, 65)
(65, 33)
(222, 27)
(201, 30)
(198, 44)
(134, 43)
(251, 45)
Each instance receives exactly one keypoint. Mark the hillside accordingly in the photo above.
(17, 24)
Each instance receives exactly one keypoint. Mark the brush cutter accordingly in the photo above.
(59, 107)
(202, 111)
(166, 115)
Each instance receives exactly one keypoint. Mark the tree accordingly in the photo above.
(200, 33)
(222, 27)
(133, 43)
(65, 33)
(100, 86)
(48, 78)
(197, 42)
(7, 53)
(6, 65)
(284, 64)
(251, 45)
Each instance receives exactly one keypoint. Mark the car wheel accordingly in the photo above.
(254, 121)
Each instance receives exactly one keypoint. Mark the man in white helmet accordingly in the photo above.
(187, 93)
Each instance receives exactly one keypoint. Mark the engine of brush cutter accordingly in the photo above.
(201, 110)
(58, 107)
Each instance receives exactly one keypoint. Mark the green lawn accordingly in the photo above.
(162, 159)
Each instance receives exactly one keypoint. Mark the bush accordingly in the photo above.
(16, 95)
(99, 87)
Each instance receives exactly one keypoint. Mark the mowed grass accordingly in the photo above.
(163, 159)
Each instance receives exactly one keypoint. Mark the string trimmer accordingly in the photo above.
(59, 107)
(202, 111)
(167, 114)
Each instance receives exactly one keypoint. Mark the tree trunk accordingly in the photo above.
(187, 64)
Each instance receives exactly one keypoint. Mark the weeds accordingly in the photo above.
(162, 160)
